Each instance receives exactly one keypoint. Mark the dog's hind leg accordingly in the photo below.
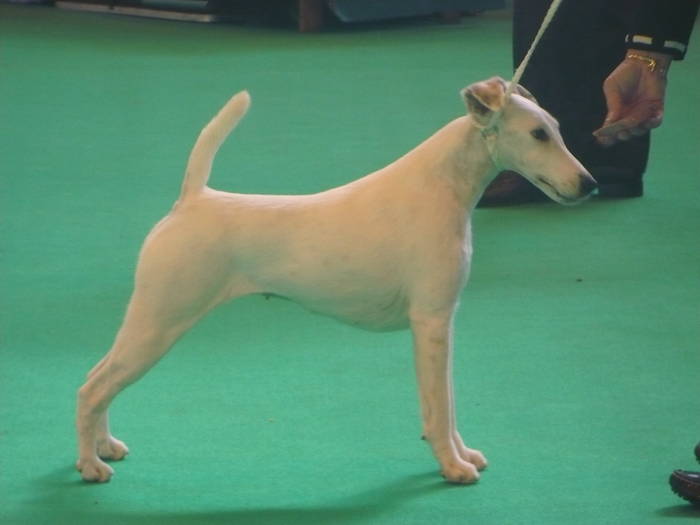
(166, 302)
(143, 340)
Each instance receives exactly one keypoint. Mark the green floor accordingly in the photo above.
(578, 359)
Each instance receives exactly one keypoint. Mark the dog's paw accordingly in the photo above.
(473, 456)
(469, 455)
(459, 471)
(94, 470)
(112, 449)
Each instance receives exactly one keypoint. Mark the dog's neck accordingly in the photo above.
(456, 155)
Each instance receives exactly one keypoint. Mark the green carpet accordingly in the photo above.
(578, 339)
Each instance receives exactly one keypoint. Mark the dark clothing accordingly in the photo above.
(585, 41)
(660, 25)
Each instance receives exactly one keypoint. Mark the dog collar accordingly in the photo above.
(489, 134)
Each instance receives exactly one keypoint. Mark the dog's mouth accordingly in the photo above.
(564, 199)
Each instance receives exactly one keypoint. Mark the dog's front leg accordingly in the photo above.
(432, 336)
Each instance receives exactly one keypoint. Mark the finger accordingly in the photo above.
(613, 101)
(609, 130)
(634, 120)
(606, 141)
(643, 113)
(634, 127)
(622, 130)
(655, 121)
(624, 135)
(649, 116)
(626, 128)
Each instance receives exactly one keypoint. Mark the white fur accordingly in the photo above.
(388, 251)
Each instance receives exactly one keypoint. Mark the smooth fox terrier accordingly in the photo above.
(388, 251)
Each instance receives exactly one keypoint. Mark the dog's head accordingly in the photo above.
(523, 137)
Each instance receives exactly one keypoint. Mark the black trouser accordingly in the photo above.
(581, 47)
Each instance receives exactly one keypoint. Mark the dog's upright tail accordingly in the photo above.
(208, 142)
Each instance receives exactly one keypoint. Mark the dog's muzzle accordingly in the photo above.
(588, 184)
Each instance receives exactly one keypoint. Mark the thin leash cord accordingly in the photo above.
(554, 6)
(524, 62)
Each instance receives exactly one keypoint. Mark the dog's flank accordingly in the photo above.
(386, 251)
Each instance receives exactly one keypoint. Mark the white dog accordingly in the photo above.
(388, 251)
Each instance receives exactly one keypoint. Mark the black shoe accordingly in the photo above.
(697, 452)
(686, 485)
(618, 183)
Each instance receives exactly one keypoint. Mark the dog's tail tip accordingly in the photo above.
(244, 94)
(234, 110)
(241, 99)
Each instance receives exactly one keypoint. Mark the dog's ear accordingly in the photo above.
(484, 98)
(520, 90)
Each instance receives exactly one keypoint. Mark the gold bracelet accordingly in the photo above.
(652, 63)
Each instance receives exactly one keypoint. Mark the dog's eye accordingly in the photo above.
(540, 134)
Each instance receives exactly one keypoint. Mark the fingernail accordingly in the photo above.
(623, 135)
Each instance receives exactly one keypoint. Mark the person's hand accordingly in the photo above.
(634, 93)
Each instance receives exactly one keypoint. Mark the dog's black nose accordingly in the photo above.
(588, 184)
